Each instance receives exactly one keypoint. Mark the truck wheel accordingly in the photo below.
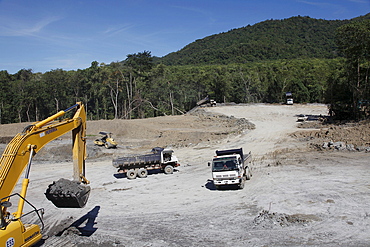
(242, 183)
(142, 173)
(168, 169)
(131, 174)
(248, 174)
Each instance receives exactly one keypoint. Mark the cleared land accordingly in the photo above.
(298, 196)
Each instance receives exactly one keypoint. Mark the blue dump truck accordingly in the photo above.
(138, 165)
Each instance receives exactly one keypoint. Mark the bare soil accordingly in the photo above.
(298, 196)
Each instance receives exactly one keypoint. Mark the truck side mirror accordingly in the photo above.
(209, 163)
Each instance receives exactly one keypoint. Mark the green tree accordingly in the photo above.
(138, 67)
(354, 42)
(5, 102)
(20, 88)
(141, 61)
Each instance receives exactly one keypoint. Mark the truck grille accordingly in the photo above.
(220, 178)
(225, 176)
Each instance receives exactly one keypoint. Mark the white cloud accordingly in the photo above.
(360, 1)
(117, 29)
(16, 27)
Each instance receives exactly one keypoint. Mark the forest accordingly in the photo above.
(318, 61)
(295, 37)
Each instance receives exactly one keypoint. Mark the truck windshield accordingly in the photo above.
(224, 164)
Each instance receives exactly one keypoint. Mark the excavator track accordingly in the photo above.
(65, 193)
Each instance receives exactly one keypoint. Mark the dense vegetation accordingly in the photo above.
(296, 37)
(319, 61)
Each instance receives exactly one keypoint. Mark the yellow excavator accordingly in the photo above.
(16, 160)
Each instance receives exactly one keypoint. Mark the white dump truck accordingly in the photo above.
(289, 98)
(231, 167)
(207, 101)
(138, 165)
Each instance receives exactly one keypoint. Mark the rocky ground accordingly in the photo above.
(305, 191)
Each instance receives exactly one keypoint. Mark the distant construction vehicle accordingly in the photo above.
(302, 118)
(231, 167)
(289, 98)
(138, 165)
(106, 140)
(206, 101)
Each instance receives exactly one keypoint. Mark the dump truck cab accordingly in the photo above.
(230, 167)
(227, 169)
(289, 98)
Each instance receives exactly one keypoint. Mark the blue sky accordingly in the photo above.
(69, 34)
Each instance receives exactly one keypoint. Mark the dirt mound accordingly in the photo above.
(141, 134)
(357, 134)
(175, 131)
(265, 219)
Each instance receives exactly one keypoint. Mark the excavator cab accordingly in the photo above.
(14, 232)
(3, 212)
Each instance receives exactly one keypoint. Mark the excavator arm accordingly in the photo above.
(16, 155)
(17, 158)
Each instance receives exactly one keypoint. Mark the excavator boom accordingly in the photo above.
(17, 158)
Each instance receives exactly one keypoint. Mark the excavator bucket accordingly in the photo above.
(65, 193)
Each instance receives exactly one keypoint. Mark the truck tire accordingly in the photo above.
(168, 169)
(142, 173)
(131, 174)
(248, 174)
(242, 183)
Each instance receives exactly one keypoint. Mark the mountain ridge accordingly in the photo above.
(290, 38)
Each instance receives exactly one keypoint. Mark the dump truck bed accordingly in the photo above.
(203, 101)
(128, 162)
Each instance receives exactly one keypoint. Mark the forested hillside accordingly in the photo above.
(292, 38)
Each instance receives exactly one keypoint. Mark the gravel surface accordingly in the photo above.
(298, 196)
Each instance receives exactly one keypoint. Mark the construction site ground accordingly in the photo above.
(299, 195)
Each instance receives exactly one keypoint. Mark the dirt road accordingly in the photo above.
(296, 197)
